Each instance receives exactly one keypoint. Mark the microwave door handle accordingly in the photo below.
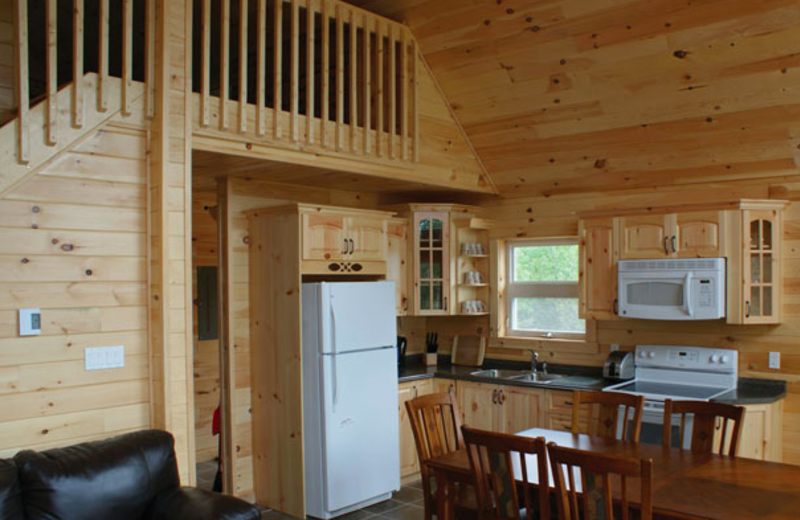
(687, 293)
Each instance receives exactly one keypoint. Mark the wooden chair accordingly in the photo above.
(494, 457)
(589, 496)
(705, 419)
(608, 406)
(436, 422)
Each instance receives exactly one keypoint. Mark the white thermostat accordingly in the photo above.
(30, 322)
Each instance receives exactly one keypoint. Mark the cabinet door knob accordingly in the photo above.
(747, 309)
(666, 245)
(494, 396)
(352, 246)
(502, 397)
(674, 244)
(344, 250)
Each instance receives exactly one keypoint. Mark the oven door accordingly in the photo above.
(653, 426)
(663, 295)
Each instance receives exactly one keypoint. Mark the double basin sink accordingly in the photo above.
(518, 375)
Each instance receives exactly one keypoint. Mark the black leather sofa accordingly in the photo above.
(130, 477)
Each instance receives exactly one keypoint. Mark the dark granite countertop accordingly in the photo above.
(749, 391)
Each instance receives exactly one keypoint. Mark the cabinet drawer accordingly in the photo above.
(559, 422)
(559, 402)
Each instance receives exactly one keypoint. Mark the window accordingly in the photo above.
(542, 289)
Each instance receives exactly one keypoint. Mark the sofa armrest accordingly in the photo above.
(195, 504)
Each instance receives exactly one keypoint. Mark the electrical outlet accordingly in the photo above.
(775, 360)
(102, 358)
(614, 347)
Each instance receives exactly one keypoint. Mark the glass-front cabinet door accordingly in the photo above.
(761, 292)
(432, 272)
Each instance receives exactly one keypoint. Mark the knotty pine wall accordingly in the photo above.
(7, 103)
(74, 243)
(554, 216)
(206, 353)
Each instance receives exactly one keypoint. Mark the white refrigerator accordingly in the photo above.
(351, 437)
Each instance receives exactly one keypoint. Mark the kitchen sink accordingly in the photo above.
(536, 377)
(517, 375)
(499, 373)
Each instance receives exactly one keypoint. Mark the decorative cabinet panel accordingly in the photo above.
(698, 234)
(520, 408)
(500, 408)
(397, 265)
(432, 263)
(597, 279)
(367, 238)
(324, 237)
(645, 236)
(478, 404)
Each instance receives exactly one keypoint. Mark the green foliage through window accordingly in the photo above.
(546, 263)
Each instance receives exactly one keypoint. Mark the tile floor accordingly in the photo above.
(406, 504)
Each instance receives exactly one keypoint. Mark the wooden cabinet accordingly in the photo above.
(441, 386)
(431, 263)
(748, 233)
(762, 432)
(597, 279)
(397, 261)
(324, 236)
(409, 463)
(500, 408)
(367, 237)
(644, 236)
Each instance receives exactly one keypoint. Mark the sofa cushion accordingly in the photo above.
(10, 495)
(114, 478)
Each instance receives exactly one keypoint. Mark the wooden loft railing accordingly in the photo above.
(315, 75)
(109, 74)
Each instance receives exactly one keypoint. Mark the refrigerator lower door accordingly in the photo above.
(361, 430)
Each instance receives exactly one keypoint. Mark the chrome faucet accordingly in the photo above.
(534, 360)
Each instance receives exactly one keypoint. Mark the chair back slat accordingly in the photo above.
(606, 419)
(499, 480)
(705, 417)
(596, 494)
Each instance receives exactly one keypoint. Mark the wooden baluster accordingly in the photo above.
(205, 87)
(224, 60)
(294, 80)
(21, 78)
(380, 50)
(150, 52)
(392, 91)
(261, 52)
(277, 79)
(77, 64)
(404, 93)
(127, 56)
(353, 81)
(367, 83)
(102, 57)
(243, 12)
(326, 71)
(339, 77)
(415, 96)
(52, 73)
(310, 71)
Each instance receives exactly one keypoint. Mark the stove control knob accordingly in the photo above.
(642, 354)
(723, 359)
(651, 355)
(714, 358)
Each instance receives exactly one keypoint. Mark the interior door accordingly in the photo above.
(699, 234)
(323, 237)
(368, 237)
(361, 428)
(645, 236)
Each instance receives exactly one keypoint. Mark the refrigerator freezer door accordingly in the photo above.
(361, 432)
(362, 316)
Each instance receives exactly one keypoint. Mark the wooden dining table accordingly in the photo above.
(686, 485)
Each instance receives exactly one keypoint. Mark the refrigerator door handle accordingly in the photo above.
(334, 357)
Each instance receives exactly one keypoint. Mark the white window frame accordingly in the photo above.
(538, 290)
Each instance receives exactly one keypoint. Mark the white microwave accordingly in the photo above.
(672, 289)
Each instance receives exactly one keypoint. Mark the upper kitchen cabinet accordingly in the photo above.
(644, 236)
(337, 241)
(597, 279)
(450, 259)
(694, 234)
(754, 295)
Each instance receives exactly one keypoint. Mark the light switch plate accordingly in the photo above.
(30, 322)
(775, 360)
(102, 358)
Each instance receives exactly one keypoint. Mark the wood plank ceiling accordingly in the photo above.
(567, 96)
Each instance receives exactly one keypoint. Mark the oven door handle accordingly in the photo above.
(687, 293)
